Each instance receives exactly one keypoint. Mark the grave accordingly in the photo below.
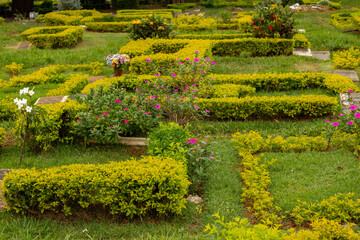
(302, 52)
(347, 73)
(95, 78)
(24, 45)
(349, 99)
(321, 55)
(301, 31)
(51, 100)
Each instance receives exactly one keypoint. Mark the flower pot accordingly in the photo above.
(118, 72)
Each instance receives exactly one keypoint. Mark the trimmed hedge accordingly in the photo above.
(356, 19)
(232, 90)
(181, 6)
(53, 37)
(68, 18)
(285, 81)
(107, 26)
(254, 46)
(143, 11)
(74, 84)
(130, 188)
(270, 107)
(343, 20)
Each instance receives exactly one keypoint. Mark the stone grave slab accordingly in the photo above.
(95, 78)
(51, 100)
(302, 52)
(301, 31)
(347, 100)
(24, 45)
(321, 55)
(347, 73)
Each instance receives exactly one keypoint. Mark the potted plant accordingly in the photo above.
(119, 62)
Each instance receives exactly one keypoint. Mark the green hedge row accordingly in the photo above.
(181, 6)
(270, 107)
(130, 188)
(53, 37)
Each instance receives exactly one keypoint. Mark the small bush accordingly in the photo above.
(150, 27)
(335, 6)
(13, 69)
(2, 20)
(347, 59)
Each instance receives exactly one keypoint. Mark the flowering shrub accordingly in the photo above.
(273, 21)
(114, 112)
(150, 27)
(347, 59)
(13, 69)
(118, 61)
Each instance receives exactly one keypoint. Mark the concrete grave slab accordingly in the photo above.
(347, 100)
(24, 45)
(95, 78)
(347, 73)
(302, 52)
(51, 100)
(321, 55)
(301, 31)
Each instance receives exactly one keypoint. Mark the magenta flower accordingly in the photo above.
(196, 60)
(327, 121)
(126, 109)
(79, 120)
(212, 156)
(175, 90)
(207, 110)
(335, 124)
(350, 122)
(109, 108)
(194, 85)
(152, 97)
(158, 106)
(156, 75)
(126, 121)
(341, 115)
(171, 64)
(213, 62)
(350, 90)
(187, 59)
(146, 81)
(98, 117)
(353, 107)
(357, 115)
(201, 71)
(118, 101)
(191, 141)
(196, 107)
(148, 60)
(207, 58)
(183, 97)
(174, 75)
(196, 51)
(136, 103)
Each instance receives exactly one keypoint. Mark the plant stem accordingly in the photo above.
(24, 141)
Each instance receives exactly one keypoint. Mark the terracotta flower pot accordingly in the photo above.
(118, 72)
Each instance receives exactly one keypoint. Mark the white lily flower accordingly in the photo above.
(28, 109)
(23, 101)
(20, 105)
(16, 100)
(25, 90)
(31, 92)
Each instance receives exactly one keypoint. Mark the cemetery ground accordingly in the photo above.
(294, 176)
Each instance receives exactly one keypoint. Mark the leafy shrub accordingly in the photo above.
(129, 188)
(182, 6)
(342, 20)
(194, 23)
(8, 109)
(335, 5)
(323, 2)
(150, 27)
(2, 20)
(226, 16)
(273, 21)
(13, 69)
(245, 24)
(347, 59)
(2, 135)
(69, 5)
(45, 7)
(114, 112)
(74, 84)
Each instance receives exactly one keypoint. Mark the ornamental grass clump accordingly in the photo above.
(271, 21)
(150, 27)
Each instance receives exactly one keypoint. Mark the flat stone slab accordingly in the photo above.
(321, 55)
(302, 52)
(347, 100)
(95, 78)
(24, 45)
(347, 73)
(51, 100)
(301, 31)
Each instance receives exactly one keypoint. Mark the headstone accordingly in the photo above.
(302, 52)
(347, 73)
(83, 26)
(301, 31)
(51, 100)
(133, 141)
(24, 45)
(321, 55)
(33, 15)
(95, 78)
(194, 199)
(349, 99)
(197, 10)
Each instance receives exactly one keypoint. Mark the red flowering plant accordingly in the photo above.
(114, 112)
(273, 21)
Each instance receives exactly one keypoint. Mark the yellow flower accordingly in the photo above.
(160, 28)
(151, 23)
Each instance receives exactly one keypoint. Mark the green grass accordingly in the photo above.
(312, 176)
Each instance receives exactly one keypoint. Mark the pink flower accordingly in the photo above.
(185, 90)
(109, 108)
(98, 117)
(213, 62)
(335, 124)
(353, 107)
(158, 106)
(137, 89)
(183, 97)
(196, 60)
(148, 60)
(357, 115)
(126, 109)
(171, 63)
(212, 156)
(191, 141)
(341, 115)
(196, 51)
(201, 71)
(146, 81)
(350, 90)
(152, 97)
(140, 108)
(196, 107)
(156, 75)
(118, 101)
(207, 58)
(207, 110)
(175, 90)
(187, 59)
(350, 123)
(79, 120)
(174, 75)
(195, 104)
(126, 121)
(136, 103)
(194, 149)
(327, 121)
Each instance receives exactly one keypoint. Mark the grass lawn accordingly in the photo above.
(312, 176)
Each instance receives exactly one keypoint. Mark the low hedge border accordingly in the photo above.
(256, 178)
(68, 18)
(74, 84)
(137, 11)
(130, 188)
(181, 6)
(270, 107)
(53, 37)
